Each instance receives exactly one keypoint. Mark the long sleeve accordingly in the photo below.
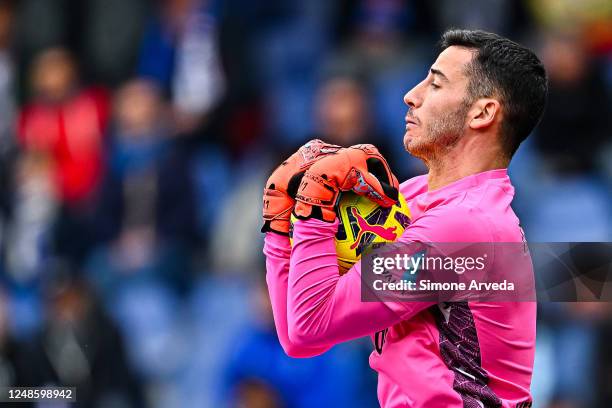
(326, 308)
(277, 251)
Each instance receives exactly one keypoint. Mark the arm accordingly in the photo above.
(326, 308)
(278, 203)
(277, 251)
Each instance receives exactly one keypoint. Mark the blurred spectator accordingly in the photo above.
(290, 41)
(158, 337)
(109, 37)
(145, 211)
(80, 347)
(235, 238)
(180, 51)
(7, 116)
(378, 40)
(498, 16)
(14, 360)
(29, 240)
(104, 34)
(7, 76)
(377, 34)
(66, 122)
(255, 394)
(576, 122)
(342, 114)
(259, 371)
(591, 19)
(574, 332)
(213, 175)
(38, 26)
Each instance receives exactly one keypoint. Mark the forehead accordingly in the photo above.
(452, 61)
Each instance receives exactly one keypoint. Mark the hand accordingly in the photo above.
(360, 168)
(279, 193)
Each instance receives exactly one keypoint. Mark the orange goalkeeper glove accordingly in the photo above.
(282, 185)
(360, 168)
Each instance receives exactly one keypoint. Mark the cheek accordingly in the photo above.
(429, 113)
(438, 105)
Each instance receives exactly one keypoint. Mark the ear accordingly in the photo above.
(483, 113)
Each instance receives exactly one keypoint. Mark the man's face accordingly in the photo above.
(438, 106)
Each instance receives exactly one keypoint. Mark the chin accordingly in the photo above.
(411, 150)
(410, 147)
(415, 147)
(409, 142)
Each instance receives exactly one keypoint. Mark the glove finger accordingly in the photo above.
(316, 190)
(305, 211)
(313, 150)
(294, 184)
(376, 164)
(368, 185)
(275, 203)
(381, 170)
(379, 167)
(276, 211)
(316, 197)
(369, 149)
(371, 175)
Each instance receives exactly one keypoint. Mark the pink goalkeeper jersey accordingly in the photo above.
(427, 355)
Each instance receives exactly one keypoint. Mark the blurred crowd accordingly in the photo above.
(135, 139)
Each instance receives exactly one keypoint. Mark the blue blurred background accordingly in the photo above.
(135, 139)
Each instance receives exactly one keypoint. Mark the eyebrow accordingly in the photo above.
(438, 72)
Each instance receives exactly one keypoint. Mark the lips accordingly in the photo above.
(410, 120)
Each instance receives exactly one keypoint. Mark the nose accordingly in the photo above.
(413, 97)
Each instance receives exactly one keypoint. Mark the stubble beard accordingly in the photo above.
(441, 135)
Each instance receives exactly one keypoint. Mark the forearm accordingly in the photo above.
(324, 307)
(277, 251)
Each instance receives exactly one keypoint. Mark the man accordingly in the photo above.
(481, 98)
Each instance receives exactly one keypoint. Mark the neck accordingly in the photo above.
(460, 162)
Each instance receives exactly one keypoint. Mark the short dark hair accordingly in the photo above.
(509, 71)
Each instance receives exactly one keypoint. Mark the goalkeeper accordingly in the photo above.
(481, 98)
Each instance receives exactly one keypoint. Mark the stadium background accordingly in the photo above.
(135, 138)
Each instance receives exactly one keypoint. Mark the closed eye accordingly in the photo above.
(435, 86)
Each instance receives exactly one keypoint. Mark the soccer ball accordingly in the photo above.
(362, 223)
